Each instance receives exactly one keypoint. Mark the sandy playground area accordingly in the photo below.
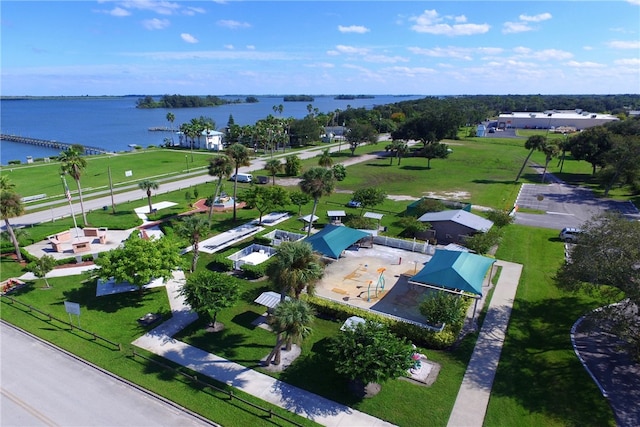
(354, 277)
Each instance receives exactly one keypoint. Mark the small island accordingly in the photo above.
(349, 97)
(187, 101)
(298, 98)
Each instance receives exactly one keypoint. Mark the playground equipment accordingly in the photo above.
(379, 284)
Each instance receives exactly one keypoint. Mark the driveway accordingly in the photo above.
(565, 205)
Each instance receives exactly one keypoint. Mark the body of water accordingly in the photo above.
(115, 123)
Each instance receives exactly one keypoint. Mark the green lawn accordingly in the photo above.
(539, 380)
(114, 317)
(44, 178)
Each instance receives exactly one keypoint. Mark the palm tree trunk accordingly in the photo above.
(524, 164)
(215, 197)
(235, 190)
(196, 254)
(274, 355)
(149, 201)
(544, 173)
(313, 213)
(84, 215)
(14, 239)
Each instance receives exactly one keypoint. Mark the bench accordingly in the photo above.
(81, 246)
(100, 233)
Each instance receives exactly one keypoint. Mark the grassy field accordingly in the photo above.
(44, 178)
(539, 379)
(114, 317)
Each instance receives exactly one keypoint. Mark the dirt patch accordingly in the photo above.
(449, 195)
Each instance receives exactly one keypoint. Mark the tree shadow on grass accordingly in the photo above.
(414, 168)
(85, 295)
(538, 367)
(315, 373)
(246, 319)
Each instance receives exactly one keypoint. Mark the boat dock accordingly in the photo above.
(63, 146)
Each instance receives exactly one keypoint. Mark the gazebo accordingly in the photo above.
(333, 239)
(456, 272)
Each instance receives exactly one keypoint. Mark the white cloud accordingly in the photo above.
(250, 47)
(412, 71)
(628, 61)
(155, 24)
(118, 11)
(384, 59)
(231, 24)
(621, 44)
(211, 54)
(351, 50)
(535, 18)
(320, 65)
(160, 7)
(635, 2)
(585, 64)
(431, 23)
(358, 29)
(460, 19)
(545, 54)
(192, 11)
(228, 46)
(188, 38)
(515, 27)
(456, 52)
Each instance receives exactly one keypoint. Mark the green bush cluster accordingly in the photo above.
(252, 272)
(420, 336)
(220, 263)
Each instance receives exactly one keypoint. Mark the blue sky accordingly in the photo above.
(320, 47)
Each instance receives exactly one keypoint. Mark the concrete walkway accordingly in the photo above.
(159, 341)
(471, 403)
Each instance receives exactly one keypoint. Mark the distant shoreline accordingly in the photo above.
(80, 97)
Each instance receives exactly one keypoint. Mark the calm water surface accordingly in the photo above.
(115, 123)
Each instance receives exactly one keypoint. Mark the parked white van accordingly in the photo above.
(242, 177)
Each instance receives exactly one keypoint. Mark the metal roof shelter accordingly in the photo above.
(269, 299)
(333, 239)
(455, 272)
(461, 217)
(309, 218)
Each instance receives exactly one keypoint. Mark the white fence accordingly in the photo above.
(407, 245)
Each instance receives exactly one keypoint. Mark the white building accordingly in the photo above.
(213, 140)
(552, 119)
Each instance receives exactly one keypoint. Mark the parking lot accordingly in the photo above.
(565, 206)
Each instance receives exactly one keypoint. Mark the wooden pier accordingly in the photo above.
(62, 146)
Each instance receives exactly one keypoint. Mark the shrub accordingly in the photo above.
(252, 272)
(361, 223)
(412, 226)
(14, 162)
(220, 263)
(483, 242)
(339, 172)
(421, 336)
(443, 307)
(261, 240)
(500, 218)
(429, 205)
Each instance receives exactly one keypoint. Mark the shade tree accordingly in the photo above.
(11, 206)
(265, 198)
(147, 186)
(369, 197)
(294, 269)
(209, 292)
(292, 321)
(139, 261)
(239, 155)
(219, 167)
(74, 165)
(369, 353)
(193, 228)
(41, 267)
(316, 182)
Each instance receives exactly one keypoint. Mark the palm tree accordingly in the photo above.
(291, 319)
(171, 118)
(148, 185)
(295, 268)
(193, 228)
(317, 182)
(534, 142)
(550, 149)
(273, 166)
(11, 207)
(325, 161)
(239, 154)
(74, 164)
(220, 167)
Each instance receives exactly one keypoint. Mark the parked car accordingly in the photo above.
(242, 177)
(261, 179)
(570, 234)
(354, 204)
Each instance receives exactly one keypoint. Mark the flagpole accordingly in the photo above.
(67, 194)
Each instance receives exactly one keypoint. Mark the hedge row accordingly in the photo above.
(420, 336)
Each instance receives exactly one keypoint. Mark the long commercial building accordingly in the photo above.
(551, 119)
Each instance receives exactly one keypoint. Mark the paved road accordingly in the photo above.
(43, 386)
(615, 371)
(166, 186)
